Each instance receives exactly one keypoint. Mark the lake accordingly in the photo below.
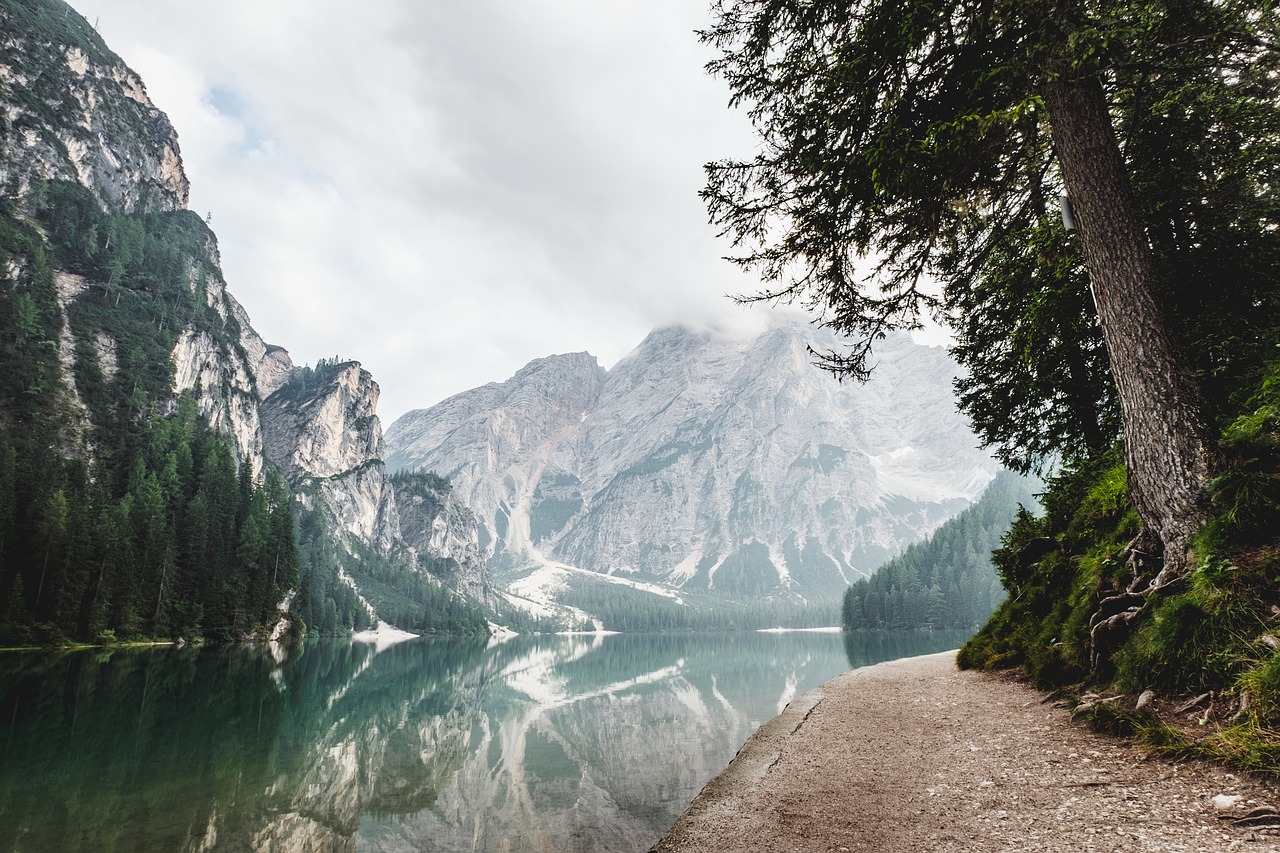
(535, 744)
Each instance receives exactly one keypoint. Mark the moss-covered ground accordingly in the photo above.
(1217, 633)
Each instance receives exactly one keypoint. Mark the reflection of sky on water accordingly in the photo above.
(595, 743)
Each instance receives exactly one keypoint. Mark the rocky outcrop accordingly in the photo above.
(73, 111)
(74, 434)
(323, 422)
(321, 430)
(224, 390)
(274, 369)
(710, 462)
(442, 534)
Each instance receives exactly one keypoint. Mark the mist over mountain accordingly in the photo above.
(724, 464)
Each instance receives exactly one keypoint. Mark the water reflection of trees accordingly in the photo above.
(433, 744)
(866, 648)
(166, 749)
(103, 749)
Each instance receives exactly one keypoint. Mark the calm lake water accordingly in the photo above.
(536, 744)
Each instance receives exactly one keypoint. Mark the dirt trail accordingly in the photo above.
(914, 755)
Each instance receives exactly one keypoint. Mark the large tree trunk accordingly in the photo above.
(1165, 435)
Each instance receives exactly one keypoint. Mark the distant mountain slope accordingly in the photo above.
(947, 581)
(724, 464)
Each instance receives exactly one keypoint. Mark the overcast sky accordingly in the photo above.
(445, 190)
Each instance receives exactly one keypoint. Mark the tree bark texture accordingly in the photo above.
(1164, 431)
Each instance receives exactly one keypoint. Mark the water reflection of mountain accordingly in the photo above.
(560, 743)
(371, 732)
(596, 744)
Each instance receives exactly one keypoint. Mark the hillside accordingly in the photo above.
(947, 581)
(704, 464)
(164, 472)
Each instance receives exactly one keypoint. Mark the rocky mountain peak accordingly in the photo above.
(541, 399)
(80, 114)
(323, 422)
(717, 461)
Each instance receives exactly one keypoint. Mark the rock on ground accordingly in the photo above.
(915, 755)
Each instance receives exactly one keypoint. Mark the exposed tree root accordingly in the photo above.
(1116, 612)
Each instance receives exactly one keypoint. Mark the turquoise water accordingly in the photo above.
(545, 743)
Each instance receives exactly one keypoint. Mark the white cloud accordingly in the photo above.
(443, 190)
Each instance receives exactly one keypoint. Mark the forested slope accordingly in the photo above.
(1217, 634)
(136, 499)
(947, 581)
(120, 517)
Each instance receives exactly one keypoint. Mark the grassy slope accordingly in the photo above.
(1220, 631)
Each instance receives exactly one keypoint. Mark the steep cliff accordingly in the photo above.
(322, 433)
(226, 372)
(442, 534)
(321, 430)
(122, 352)
(74, 111)
(706, 462)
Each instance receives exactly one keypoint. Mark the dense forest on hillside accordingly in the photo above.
(622, 608)
(947, 581)
(121, 515)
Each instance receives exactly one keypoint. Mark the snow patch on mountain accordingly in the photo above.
(704, 461)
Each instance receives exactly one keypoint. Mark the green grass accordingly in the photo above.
(1211, 633)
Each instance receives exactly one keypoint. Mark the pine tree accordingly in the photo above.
(51, 532)
(909, 142)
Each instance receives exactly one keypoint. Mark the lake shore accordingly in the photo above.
(915, 755)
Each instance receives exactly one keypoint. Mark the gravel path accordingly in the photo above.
(914, 755)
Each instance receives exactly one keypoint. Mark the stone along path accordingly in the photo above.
(914, 755)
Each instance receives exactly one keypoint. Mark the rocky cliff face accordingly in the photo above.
(228, 379)
(321, 430)
(74, 111)
(443, 535)
(322, 433)
(494, 442)
(708, 462)
(71, 110)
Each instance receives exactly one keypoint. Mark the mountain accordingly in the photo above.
(156, 454)
(713, 464)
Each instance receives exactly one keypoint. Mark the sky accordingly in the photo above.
(445, 190)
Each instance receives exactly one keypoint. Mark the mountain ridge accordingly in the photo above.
(722, 462)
